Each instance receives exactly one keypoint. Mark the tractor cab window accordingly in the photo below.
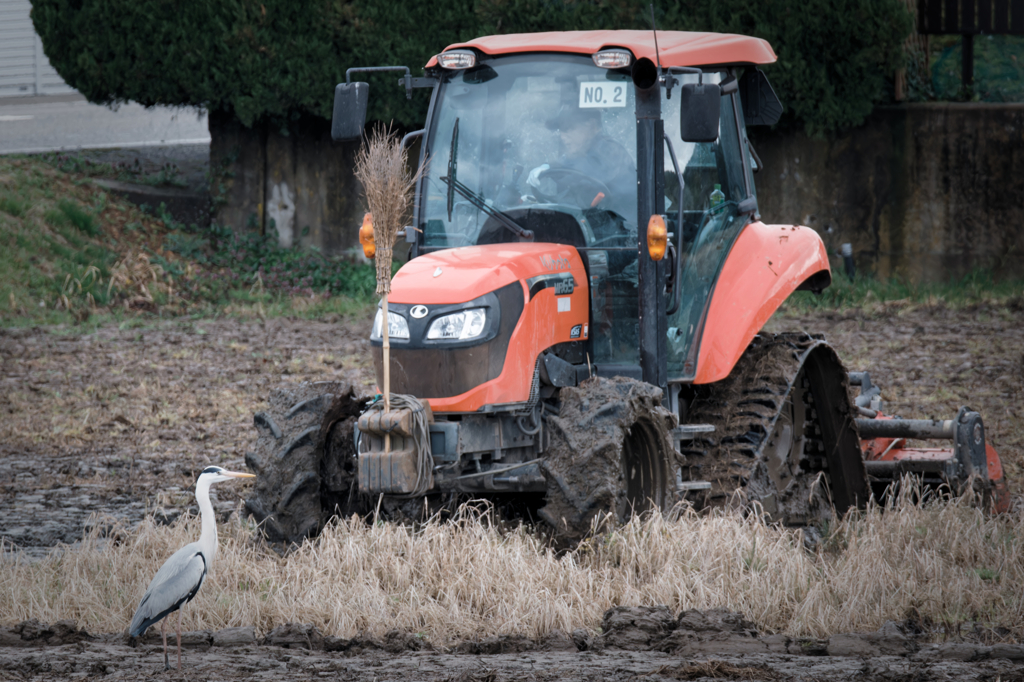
(545, 141)
(704, 215)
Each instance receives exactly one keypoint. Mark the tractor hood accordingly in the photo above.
(540, 295)
(463, 274)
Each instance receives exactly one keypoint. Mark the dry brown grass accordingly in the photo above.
(944, 564)
(135, 279)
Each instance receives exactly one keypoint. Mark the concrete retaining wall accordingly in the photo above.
(924, 191)
(302, 181)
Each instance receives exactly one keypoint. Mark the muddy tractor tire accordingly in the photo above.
(304, 460)
(784, 440)
(609, 453)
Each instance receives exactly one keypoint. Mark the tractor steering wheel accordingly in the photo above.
(581, 189)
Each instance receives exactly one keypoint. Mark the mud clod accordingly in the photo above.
(582, 639)
(295, 636)
(229, 637)
(1010, 652)
(397, 642)
(715, 620)
(556, 640)
(32, 632)
(636, 628)
(890, 640)
(502, 644)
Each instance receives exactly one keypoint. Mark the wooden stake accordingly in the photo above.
(387, 370)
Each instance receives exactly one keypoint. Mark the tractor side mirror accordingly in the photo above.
(701, 106)
(349, 118)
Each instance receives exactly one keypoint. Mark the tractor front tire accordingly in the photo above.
(609, 455)
(298, 440)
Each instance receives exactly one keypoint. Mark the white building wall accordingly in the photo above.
(24, 69)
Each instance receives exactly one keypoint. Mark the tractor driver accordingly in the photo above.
(588, 155)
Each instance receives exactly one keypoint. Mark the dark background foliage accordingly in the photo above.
(279, 59)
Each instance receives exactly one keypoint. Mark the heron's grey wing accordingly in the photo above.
(176, 582)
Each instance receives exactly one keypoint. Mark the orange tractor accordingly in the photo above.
(578, 329)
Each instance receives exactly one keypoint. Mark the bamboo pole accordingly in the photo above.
(387, 369)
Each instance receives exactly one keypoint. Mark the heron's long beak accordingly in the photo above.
(236, 474)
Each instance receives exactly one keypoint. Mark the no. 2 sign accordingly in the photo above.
(602, 95)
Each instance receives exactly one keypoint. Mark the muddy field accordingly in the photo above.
(637, 644)
(120, 421)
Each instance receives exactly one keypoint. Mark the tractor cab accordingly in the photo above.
(548, 143)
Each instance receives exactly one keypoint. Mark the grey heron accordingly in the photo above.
(181, 576)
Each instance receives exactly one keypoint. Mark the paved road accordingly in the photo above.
(38, 124)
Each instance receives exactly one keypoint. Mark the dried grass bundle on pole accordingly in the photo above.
(381, 165)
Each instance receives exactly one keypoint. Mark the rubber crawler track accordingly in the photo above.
(785, 381)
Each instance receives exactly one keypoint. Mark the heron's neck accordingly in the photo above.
(208, 538)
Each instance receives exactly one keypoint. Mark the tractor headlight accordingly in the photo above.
(460, 326)
(613, 59)
(398, 328)
(457, 59)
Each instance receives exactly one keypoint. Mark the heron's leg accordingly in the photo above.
(163, 631)
(179, 639)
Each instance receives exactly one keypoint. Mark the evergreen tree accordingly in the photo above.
(278, 60)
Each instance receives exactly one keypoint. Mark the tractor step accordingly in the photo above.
(691, 431)
(688, 432)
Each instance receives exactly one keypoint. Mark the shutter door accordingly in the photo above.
(24, 69)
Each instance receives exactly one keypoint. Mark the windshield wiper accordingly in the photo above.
(453, 154)
(472, 197)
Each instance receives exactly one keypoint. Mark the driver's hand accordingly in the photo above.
(533, 180)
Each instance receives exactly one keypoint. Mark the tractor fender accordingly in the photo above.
(766, 264)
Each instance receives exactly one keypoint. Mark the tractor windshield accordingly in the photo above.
(552, 133)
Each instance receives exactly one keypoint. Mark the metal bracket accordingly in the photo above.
(868, 391)
(670, 81)
(969, 443)
(419, 82)
(409, 137)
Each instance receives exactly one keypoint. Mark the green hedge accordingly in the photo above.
(836, 57)
(278, 59)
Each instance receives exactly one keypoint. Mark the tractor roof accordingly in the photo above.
(676, 48)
